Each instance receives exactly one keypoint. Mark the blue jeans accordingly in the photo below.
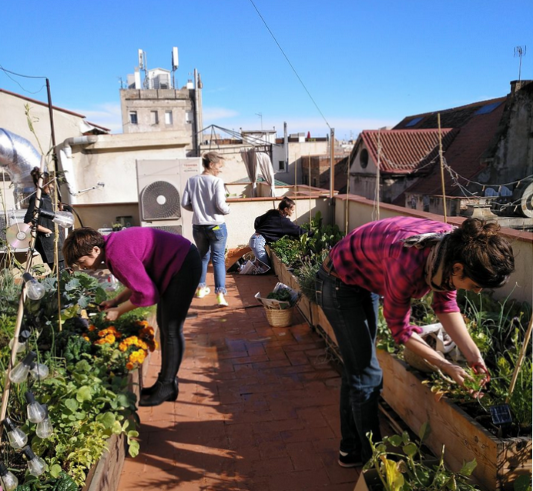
(257, 244)
(211, 243)
(353, 314)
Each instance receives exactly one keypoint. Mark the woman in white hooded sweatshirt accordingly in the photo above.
(205, 196)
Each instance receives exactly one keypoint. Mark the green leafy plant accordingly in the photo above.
(87, 392)
(407, 469)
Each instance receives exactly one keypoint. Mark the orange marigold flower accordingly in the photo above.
(110, 338)
(122, 346)
(129, 366)
(86, 338)
(100, 341)
(91, 327)
(102, 333)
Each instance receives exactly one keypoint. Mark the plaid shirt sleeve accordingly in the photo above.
(398, 288)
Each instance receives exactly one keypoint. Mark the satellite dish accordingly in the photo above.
(18, 235)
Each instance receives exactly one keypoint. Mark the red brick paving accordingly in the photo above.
(257, 409)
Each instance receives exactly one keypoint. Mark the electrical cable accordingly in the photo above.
(8, 72)
(290, 64)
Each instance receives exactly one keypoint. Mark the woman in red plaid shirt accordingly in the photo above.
(399, 259)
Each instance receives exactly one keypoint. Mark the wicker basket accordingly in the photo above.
(279, 318)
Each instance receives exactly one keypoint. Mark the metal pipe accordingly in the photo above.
(65, 158)
(18, 156)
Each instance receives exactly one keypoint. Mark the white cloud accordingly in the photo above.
(107, 115)
(215, 113)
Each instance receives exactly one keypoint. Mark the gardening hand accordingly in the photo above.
(112, 314)
(455, 372)
(477, 367)
(107, 304)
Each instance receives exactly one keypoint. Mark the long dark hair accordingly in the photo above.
(486, 256)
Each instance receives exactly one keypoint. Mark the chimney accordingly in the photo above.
(516, 85)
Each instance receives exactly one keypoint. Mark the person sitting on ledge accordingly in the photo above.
(156, 267)
(272, 226)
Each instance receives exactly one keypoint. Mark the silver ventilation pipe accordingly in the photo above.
(18, 156)
(67, 164)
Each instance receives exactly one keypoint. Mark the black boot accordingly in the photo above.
(163, 391)
(148, 391)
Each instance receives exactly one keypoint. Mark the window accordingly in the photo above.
(488, 108)
(363, 159)
(133, 117)
(413, 122)
(168, 117)
(281, 165)
(154, 117)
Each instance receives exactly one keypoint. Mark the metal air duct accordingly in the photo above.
(18, 156)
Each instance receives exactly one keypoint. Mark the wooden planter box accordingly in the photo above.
(499, 461)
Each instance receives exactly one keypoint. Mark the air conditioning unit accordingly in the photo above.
(160, 184)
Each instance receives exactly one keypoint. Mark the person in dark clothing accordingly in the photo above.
(272, 226)
(44, 242)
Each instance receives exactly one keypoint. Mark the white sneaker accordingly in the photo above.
(202, 292)
(221, 301)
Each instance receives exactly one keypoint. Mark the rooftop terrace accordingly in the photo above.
(257, 410)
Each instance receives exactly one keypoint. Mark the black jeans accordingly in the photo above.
(172, 310)
(353, 314)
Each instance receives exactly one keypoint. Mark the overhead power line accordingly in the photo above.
(290, 64)
(9, 73)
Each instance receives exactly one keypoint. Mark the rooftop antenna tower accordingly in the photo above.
(520, 51)
(142, 66)
(174, 64)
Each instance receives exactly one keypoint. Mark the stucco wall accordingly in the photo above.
(240, 221)
(111, 159)
(296, 150)
(13, 118)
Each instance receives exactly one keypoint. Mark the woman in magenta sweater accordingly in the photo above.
(155, 267)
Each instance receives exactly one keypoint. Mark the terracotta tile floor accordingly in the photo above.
(257, 410)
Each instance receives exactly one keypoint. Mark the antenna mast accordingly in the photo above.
(174, 64)
(520, 51)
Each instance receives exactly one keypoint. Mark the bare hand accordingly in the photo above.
(479, 367)
(456, 373)
(459, 375)
(107, 304)
(112, 314)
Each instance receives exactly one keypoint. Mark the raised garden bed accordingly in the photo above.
(499, 460)
(105, 475)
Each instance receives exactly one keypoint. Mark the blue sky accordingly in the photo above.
(366, 64)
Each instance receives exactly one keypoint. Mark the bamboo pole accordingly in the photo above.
(520, 358)
(442, 172)
(20, 312)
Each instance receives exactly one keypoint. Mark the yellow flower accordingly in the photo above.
(110, 338)
(86, 338)
(122, 346)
